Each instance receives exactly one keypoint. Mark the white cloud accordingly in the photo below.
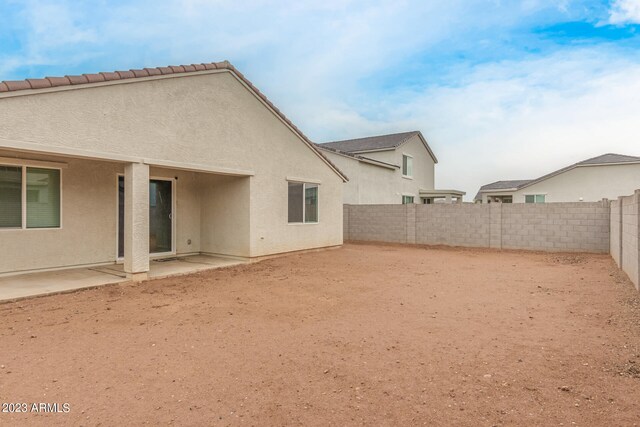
(316, 61)
(625, 12)
(522, 119)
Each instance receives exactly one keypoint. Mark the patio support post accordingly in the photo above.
(136, 220)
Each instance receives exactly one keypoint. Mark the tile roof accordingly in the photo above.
(47, 82)
(501, 185)
(604, 159)
(74, 80)
(379, 142)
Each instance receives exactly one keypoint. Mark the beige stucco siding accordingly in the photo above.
(88, 232)
(423, 167)
(211, 120)
(592, 183)
(370, 184)
(89, 217)
(225, 215)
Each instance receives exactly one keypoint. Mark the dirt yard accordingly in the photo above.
(366, 334)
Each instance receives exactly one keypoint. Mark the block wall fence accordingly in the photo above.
(599, 227)
(573, 227)
(625, 235)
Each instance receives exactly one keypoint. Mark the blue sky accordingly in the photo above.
(501, 89)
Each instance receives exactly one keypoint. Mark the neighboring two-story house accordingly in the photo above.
(388, 169)
(606, 176)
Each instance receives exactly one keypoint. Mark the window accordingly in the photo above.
(407, 200)
(10, 197)
(407, 165)
(534, 198)
(303, 203)
(29, 197)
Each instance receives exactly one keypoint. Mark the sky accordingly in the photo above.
(500, 89)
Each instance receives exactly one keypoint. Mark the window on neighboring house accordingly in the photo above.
(534, 198)
(406, 200)
(407, 165)
(41, 203)
(303, 203)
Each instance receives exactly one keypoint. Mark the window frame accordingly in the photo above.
(304, 207)
(408, 156)
(535, 198)
(23, 165)
(413, 199)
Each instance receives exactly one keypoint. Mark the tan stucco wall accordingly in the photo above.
(89, 217)
(592, 183)
(225, 211)
(211, 120)
(369, 184)
(88, 232)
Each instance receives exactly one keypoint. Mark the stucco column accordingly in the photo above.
(136, 221)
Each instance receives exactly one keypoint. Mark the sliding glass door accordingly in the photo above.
(160, 216)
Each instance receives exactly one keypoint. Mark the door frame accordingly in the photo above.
(154, 255)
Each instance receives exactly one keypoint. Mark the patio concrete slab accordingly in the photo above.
(51, 282)
(32, 284)
(178, 266)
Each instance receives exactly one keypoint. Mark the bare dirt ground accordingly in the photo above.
(366, 334)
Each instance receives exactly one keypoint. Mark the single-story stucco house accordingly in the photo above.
(388, 169)
(157, 162)
(606, 176)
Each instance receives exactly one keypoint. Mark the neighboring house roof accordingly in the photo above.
(501, 185)
(358, 157)
(377, 143)
(604, 159)
(111, 77)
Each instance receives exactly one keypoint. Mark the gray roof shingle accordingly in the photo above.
(503, 185)
(609, 158)
(379, 142)
(604, 159)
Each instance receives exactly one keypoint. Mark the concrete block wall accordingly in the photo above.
(574, 227)
(629, 260)
(383, 223)
(452, 224)
(615, 241)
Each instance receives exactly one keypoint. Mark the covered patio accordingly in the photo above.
(429, 197)
(52, 282)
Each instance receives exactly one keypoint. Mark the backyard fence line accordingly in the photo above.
(625, 235)
(600, 227)
(570, 227)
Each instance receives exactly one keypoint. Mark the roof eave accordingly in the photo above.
(177, 71)
(426, 145)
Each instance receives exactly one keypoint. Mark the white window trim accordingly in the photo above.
(402, 166)
(408, 195)
(304, 187)
(534, 196)
(24, 164)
